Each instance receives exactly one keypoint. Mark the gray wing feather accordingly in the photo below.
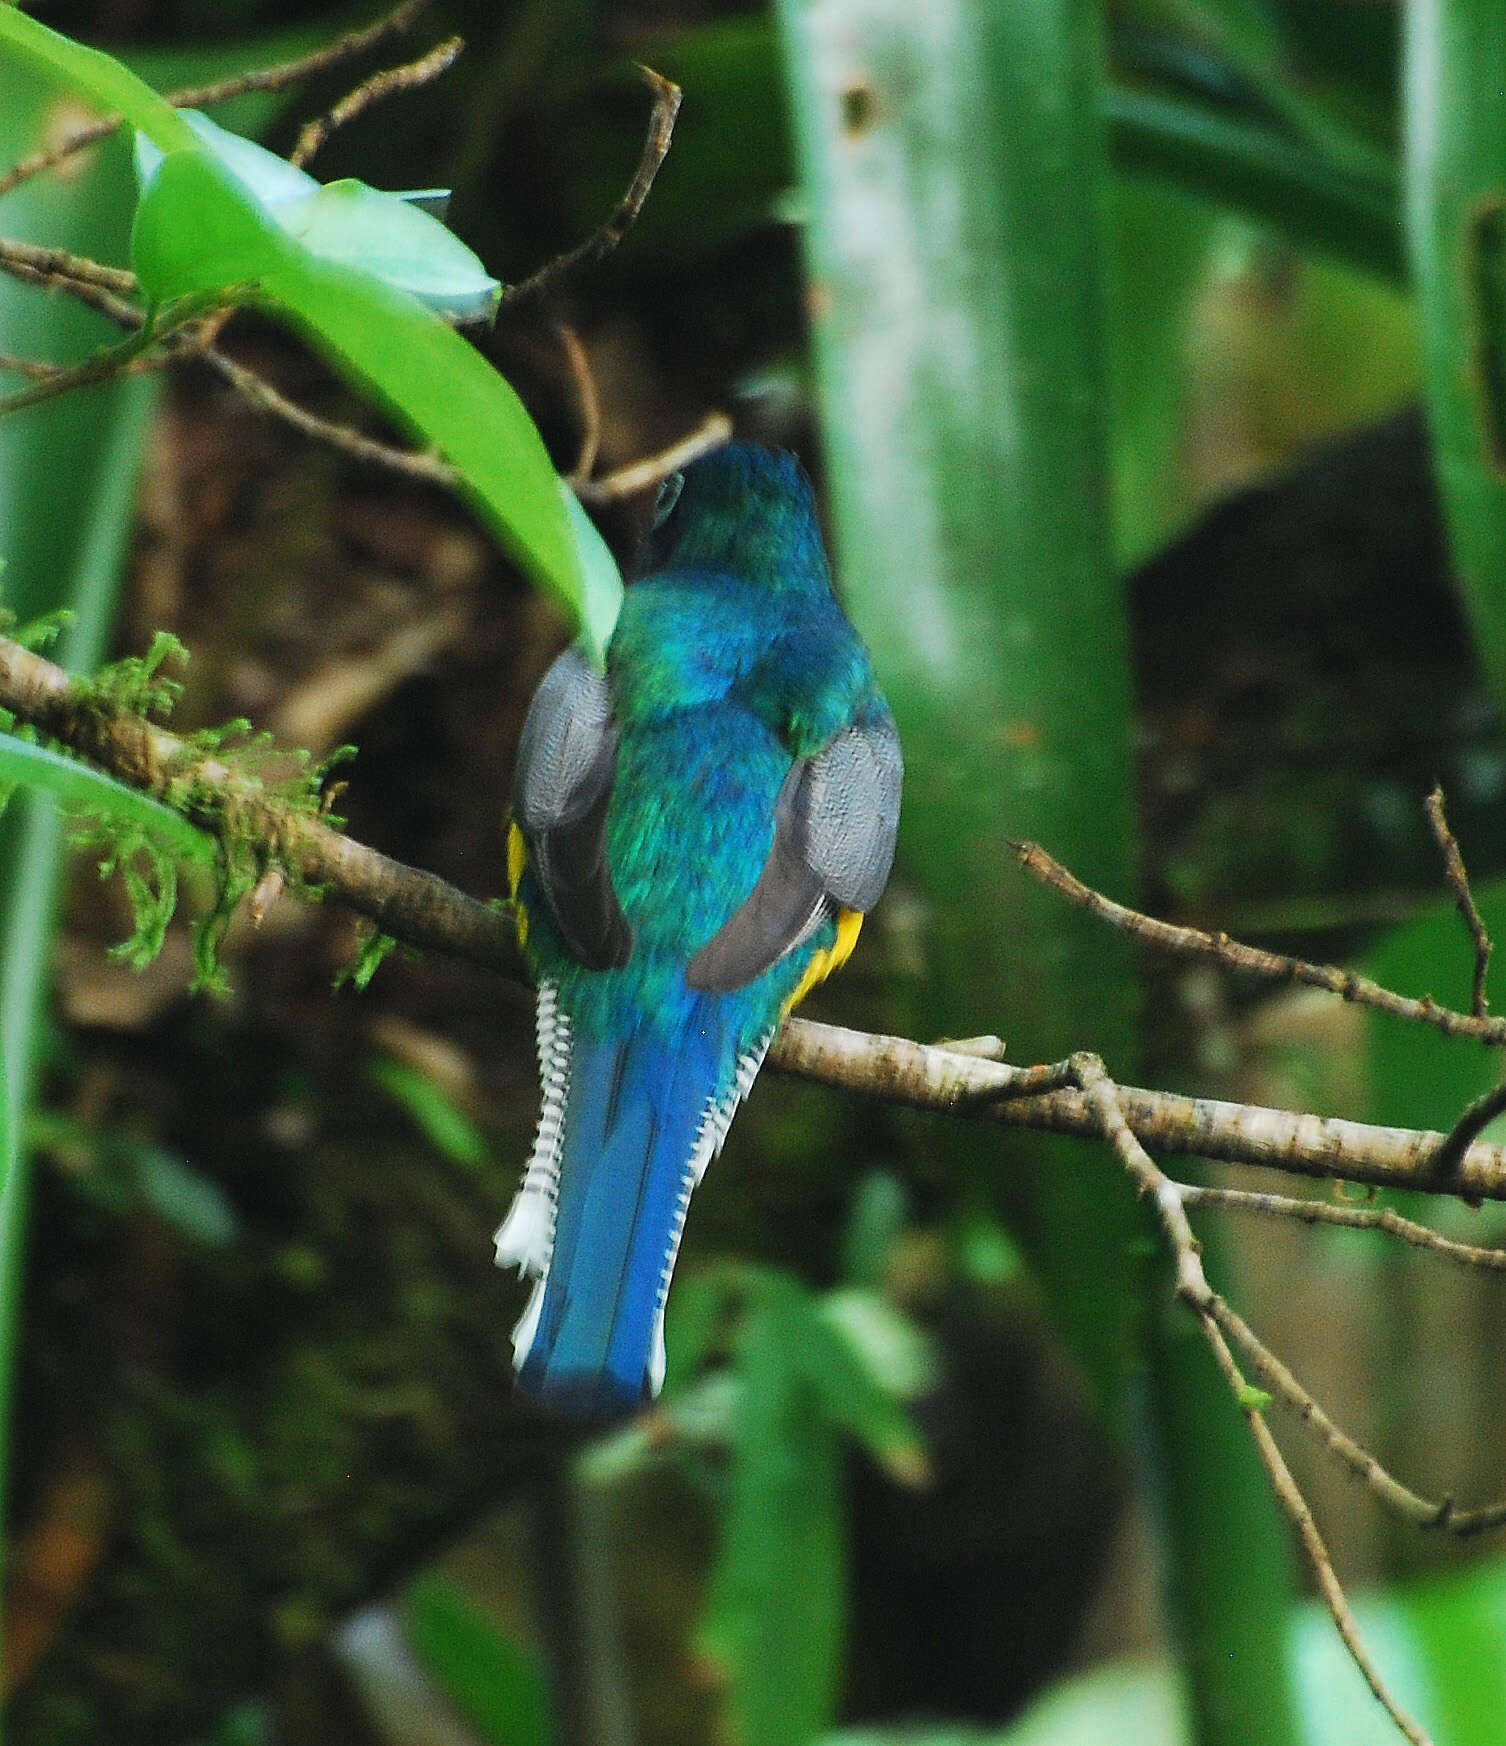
(852, 811)
(567, 761)
(834, 828)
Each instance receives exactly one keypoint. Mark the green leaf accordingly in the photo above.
(773, 1625)
(699, 1312)
(862, 1360)
(273, 180)
(880, 1212)
(387, 235)
(601, 593)
(1456, 221)
(495, 1681)
(114, 86)
(1254, 168)
(390, 237)
(441, 1119)
(79, 787)
(197, 231)
(68, 473)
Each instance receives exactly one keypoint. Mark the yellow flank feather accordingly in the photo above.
(517, 860)
(833, 957)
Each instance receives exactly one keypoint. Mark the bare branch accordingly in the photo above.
(428, 469)
(1464, 899)
(1420, 1511)
(409, 77)
(1210, 1310)
(925, 1077)
(58, 267)
(277, 78)
(588, 401)
(36, 369)
(713, 430)
(1355, 1218)
(1271, 966)
(620, 220)
(124, 315)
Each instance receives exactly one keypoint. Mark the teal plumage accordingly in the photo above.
(697, 833)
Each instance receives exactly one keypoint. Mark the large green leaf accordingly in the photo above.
(391, 236)
(200, 232)
(114, 87)
(496, 1682)
(774, 1623)
(196, 234)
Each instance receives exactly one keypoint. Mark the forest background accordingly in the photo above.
(1151, 363)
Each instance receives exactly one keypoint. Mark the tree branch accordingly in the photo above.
(411, 76)
(1210, 1312)
(1252, 960)
(929, 1077)
(1464, 898)
(405, 902)
(424, 911)
(276, 78)
(624, 214)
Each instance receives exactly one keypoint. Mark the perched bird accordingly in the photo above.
(697, 834)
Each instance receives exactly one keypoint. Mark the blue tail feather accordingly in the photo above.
(635, 1112)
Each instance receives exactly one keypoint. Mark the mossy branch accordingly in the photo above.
(263, 808)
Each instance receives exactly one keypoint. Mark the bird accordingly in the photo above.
(697, 833)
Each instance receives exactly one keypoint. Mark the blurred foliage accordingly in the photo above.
(1130, 425)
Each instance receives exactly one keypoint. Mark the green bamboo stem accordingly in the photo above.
(952, 160)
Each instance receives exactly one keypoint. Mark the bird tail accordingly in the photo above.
(628, 1126)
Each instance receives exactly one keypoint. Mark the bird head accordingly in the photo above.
(741, 509)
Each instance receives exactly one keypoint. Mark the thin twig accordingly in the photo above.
(252, 387)
(204, 96)
(1464, 899)
(713, 430)
(1356, 1218)
(1297, 1511)
(1193, 1288)
(620, 220)
(105, 364)
(124, 315)
(1272, 966)
(429, 469)
(587, 400)
(35, 368)
(409, 77)
(58, 265)
(1420, 1511)
(1478, 1116)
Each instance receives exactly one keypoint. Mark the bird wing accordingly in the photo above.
(834, 826)
(567, 760)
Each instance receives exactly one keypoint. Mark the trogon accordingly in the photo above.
(697, 834)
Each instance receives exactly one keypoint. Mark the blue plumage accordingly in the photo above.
(697, 834)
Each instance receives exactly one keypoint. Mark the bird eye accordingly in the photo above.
(668, 497)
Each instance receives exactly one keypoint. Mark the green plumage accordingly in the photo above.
(714, 792)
